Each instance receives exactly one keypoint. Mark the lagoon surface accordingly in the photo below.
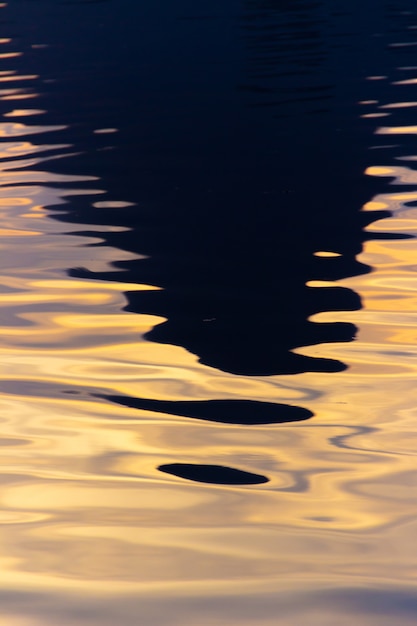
(208, 312)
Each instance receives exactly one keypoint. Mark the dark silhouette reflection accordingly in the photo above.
(241, 152)
(238, 187)
(247, 412)
(240, 149)
(214, 474)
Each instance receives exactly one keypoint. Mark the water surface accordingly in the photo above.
(208, 312)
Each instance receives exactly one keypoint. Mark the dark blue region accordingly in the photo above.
(240, 145)
(243, 412)
(213, 474)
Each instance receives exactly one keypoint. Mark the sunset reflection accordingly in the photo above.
(207, 419)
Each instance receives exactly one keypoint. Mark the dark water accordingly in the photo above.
(208, 307)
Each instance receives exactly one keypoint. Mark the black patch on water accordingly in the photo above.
(235, 186)
(244, 412)
(214, 474)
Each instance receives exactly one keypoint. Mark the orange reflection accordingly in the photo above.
(379, 171)
(398, 105)
(19, 96)
(6, 77)
(84, 508)
(324, 253)
(374, 206)
(9, 129)
(408, 81)
(23, 112)
(374, 115)
(10, 55)
(7, 232)
(397, 130)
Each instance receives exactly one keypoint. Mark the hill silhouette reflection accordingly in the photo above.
(232, 151)
(240, 166)
(236, 174)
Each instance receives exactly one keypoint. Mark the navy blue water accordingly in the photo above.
(229, 141)
(240, 146)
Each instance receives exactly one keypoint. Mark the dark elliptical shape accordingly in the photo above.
(243, 412)
(214, 474)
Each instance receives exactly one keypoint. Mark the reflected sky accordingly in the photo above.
(208, 396)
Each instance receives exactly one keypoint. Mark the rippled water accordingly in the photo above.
(208, 310)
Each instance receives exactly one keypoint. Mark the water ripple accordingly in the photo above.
(158, 459)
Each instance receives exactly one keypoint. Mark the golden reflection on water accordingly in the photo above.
(398, 130)
(398, 105)
(83, 505)
(85, 510)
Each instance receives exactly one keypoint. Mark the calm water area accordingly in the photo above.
(208, 313)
